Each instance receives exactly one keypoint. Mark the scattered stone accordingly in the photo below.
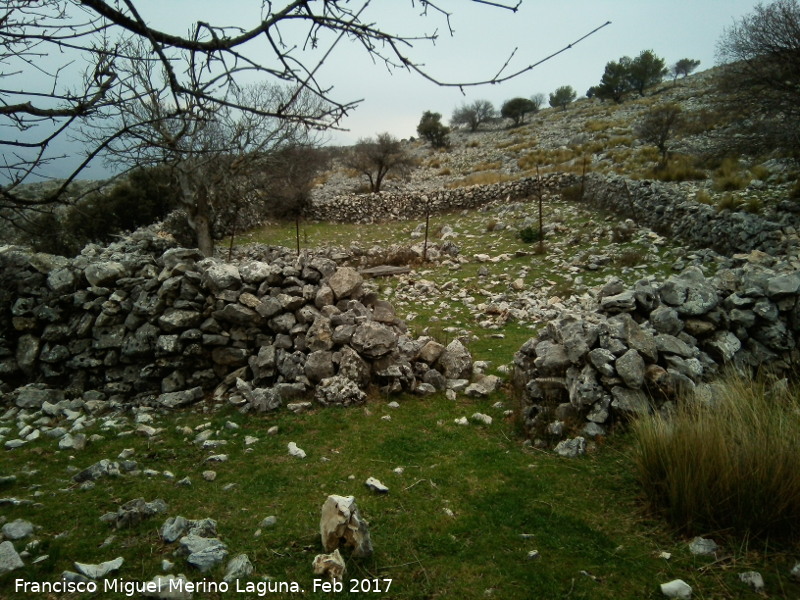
(9, 559)
(203, 552)
(239, 567)
(295, 451)
(103, 468)
(677, 588)
(101, 570)
(703, 547)
(135, 511)
(571, 448)
(461, 421)
(752, 579)
(331, 565)
(269, 521)
(341, 523)
(17, 529)
(482, 418)
(534, 555)
(376, 486)
(209, 475)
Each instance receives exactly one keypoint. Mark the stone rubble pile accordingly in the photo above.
(167, 328)
(640, 347)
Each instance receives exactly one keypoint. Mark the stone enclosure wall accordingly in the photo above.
(389, 206)
(666, 209)
(141, 322)
(147, 322)
(644, 345)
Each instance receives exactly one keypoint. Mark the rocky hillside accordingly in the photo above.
(600, 137)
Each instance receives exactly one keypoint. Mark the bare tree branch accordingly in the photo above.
(199, 72)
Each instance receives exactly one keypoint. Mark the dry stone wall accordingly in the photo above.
(646, 345)
(389, 206)
(141, 321)
(666, 209)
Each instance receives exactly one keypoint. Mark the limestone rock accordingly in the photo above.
(376, 486)
(341, 523)
(17, 529)
(331, 565)
(339, 390)
(571, 448)
(204, 553)
(9, 559)
(630, 366)
(295, 451)
(752, 579)
(345, 283)
(135, 511)
(239, 567)
(703, 547)
(677, 588)
(455, 361)
(101, 570)
(373, 339)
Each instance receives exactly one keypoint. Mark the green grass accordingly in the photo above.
(581, 515)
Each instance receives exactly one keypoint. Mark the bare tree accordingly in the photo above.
(288, 180)
(659, 125)
(75, 49)
(538, 101)
(762, 74)
(376, 158)
(473, 115)
(213, 150)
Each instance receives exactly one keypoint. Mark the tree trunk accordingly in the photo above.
(195, 202)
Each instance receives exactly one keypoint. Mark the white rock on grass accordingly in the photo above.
(295, 451)
(677, 588)
(571, 448)
(101, 570)
(482, 418)
(753, 579)
(376, 486)
(17, 529)
(340, 522)
(461, 421)
(332, 565)
(239, 567)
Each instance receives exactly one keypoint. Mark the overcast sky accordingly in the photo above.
(484, 38)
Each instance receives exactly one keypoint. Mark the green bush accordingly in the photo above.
(146, 196)
(529, 235)
(730, 465)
